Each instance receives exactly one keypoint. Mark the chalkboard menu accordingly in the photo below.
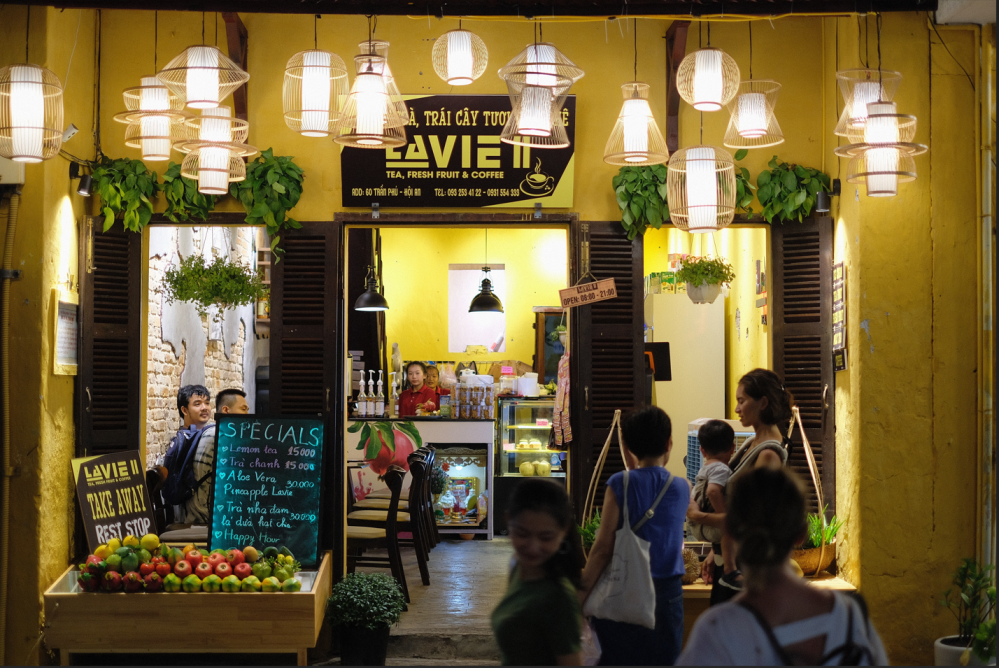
(268, 484)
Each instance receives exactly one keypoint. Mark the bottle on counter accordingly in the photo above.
(362, 401)
(380, 397)
(371, 394)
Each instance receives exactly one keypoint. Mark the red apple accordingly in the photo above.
(182, 568)
(164, 569)
(216, 558)
(234, 557)
(243, 570)
(223, 570)
(195, 557)
(203, 570)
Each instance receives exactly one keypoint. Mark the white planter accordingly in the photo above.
(562, 336)
(703, 294)
(949, 655)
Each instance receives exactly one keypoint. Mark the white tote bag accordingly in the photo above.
(624, 592)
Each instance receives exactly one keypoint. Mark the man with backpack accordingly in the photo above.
(195, 440)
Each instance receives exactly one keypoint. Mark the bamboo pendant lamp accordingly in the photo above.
(861, 87)
(155, 119)
(700, 187)
(636, 139)
(752, 123)
(882, 152)
(215, 150)
(202, 76)
(369, 114)
(708, 79)
(315, 89)
(460, 57)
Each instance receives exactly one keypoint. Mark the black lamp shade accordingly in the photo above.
(371, 300)
(86, 184)
(822, 201)
(486, 301)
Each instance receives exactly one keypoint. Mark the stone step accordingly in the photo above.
(451, 646)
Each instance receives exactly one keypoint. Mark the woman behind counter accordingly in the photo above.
(419, 394)
(434, 382)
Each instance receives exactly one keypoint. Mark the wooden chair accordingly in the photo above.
(361, 538)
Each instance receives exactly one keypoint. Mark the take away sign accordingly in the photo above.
(588, 293)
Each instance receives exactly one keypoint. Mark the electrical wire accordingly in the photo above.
(750, 50)
(636, 49)
(65, 82)
(940, 37)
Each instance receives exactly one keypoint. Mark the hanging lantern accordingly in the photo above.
(708, 79)
(882, 152)
(538, 80)
(315, 88)
(202, 76)
(485, 301)
(460, 57)
(636, 139)
(861, 87)
(701, 190)
(752, 123)
(155, 119)
(375, 47)
(215, 150)
(369, 113)
(30, 113)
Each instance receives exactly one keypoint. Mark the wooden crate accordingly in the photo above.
(180, 622)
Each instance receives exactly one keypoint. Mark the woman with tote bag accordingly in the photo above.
(631, 583)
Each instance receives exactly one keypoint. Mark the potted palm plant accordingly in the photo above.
(704, 277)
(972, 601)
(364, 606)
(818, 550)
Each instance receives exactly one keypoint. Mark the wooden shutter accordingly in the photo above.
(109, 339)
(607, 372)
(802, 340)
(306, 343)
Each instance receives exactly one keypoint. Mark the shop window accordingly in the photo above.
(465, 329)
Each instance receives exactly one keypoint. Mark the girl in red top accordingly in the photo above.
(419, 395)
(434, 380)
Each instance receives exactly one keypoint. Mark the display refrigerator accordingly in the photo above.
(523, 426)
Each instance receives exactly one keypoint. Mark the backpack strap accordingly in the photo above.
(652, 509)
(853, 653)
(774, 644)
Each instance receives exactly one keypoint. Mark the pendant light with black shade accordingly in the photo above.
(371, 300)
(486, 301)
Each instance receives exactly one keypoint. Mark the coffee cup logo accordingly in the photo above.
(537, 183)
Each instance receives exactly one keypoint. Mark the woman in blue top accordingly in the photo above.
(647, 435)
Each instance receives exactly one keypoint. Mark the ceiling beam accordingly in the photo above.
(676, 49)
(237, 37)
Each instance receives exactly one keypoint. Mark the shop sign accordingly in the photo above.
(268, 484)
(839, 307)
(454, 158)
(114, 500)
(588, 293)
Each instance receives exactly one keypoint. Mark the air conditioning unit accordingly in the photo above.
(693, 459)
(11, 172)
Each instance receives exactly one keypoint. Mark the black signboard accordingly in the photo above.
(454, 158)
(268, 484)
(114, 500)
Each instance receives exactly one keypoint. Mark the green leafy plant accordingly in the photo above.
(588, 530)
(705, 270)
(272, 187)
(553, 335)
(972, 601)
(744, 189)
(184, 202)
(368, 600)
(438, 480)
(787, 192)
(984, 644)
(126, 187)
(641, 195)
(820, 531)
(222, 283)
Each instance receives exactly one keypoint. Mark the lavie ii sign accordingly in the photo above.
(454, 158)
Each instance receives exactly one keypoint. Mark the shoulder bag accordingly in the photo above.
(624, 592)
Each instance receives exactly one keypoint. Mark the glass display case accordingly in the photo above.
(522, 439)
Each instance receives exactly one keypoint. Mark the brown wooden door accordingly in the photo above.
(802, 340)
(110, 334)
(607, 371)
(306, 343)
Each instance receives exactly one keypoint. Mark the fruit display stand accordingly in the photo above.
(272, 622)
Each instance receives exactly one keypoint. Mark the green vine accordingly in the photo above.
(126, 187)
(705, 270)
(744, 189)
(641, 195)
(787, 192)
(222, 283)
(184, 202)
(272, 187)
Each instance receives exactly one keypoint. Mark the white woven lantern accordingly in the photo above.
(155, 119)
(538, 80)
(861, 87)
(460, 57)
(315, 89)
(636, 139)
(708, 79)
(30, 113)
(882, 152)
(202, 76)
(752, 123)
(369, 113)
(701, 190)
(215, 150)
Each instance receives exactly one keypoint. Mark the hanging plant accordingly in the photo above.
(272, 187)
(705, 271)
(744, 189)
(787, 191)
(126, 187)
(223, 283)
(641, 195)
(184, 202)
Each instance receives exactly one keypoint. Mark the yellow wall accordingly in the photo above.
(415, 274)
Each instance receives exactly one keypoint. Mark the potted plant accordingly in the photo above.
(184, 202)
(223, 283)
(364, 606)
(704, 277)
(126, 187)
(438, 482)
(787, 191)
(272, 188)
(818, 550)
(588, 531)
(744, 189)
(972, 601)
(558, 334)
(641, 195)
